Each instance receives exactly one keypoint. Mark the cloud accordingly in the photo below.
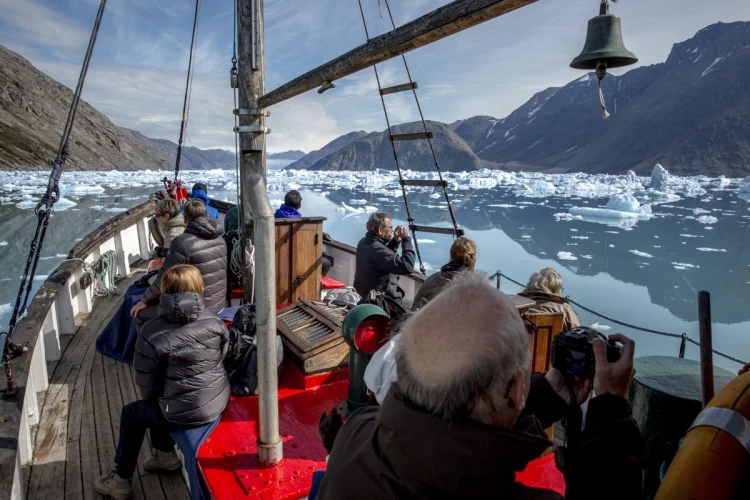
(137, 76)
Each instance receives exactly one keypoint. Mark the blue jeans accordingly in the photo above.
(135, 418)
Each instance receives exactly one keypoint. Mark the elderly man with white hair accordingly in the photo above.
(466, 415)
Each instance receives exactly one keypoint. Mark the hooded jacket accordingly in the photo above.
(399, 451)
(435, 283)
(200, 246)
(172, 229)
(379, 265)
(550, 303)
(179, 360)
(197, 194)
(287, 212)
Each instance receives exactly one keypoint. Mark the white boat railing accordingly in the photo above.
(58, 308)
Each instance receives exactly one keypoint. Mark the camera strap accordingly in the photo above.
(574, 416)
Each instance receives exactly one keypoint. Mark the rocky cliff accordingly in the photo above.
(33, 111)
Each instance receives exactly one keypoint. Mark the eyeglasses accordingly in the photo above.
(530, 325)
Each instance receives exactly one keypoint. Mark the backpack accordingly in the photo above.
(241, 361)
(347, 297)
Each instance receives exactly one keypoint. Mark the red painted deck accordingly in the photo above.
(228, 457)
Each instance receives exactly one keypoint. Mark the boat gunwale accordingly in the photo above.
(15, 412)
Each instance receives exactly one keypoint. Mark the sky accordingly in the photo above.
(137, 74)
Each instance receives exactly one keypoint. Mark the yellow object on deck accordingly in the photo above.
(714, 463)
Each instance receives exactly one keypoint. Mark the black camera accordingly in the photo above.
(572, 351)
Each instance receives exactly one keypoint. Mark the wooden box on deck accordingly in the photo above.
(299, 253)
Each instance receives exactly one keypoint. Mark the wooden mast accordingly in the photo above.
(258, 219)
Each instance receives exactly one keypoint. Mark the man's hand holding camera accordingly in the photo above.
(611, 377)
(614, 377)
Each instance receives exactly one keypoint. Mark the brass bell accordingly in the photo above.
(603, 48)
(604, 45)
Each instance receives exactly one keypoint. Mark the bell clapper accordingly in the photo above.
(601, 72)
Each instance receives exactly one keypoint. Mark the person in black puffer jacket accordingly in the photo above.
(200, 245)
(180, 373)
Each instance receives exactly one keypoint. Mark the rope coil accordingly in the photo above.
(499, 274)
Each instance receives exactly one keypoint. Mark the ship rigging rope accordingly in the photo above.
(188, 88)
(409, 218)
(683, 336)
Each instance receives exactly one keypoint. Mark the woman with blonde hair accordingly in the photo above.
(463, 257)
(544, 288)
(180, 373)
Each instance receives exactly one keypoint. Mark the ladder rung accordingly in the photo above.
(439, 230)
(411, 137)
(398, 88)
(406, 182)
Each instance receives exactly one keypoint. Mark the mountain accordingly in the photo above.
(689, 113)
(374, 151)
(33, 111)
(286, 155)
(309, 159)
(191, 159)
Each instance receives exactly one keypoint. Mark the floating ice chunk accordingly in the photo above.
(659, 177)
(707, 219)
(567, 216)
(699, 211)
(81, 189)
(56, 256)
(683, 265)
(708, 227)
(357, 202)
(435, 196)
(574, 230)
(601, 328)
(579, 237)
(347, 208)
(423, 241)
(503, 205)
(704, 249)
(587, 257)
(6, 308)
(526, 236)
(641, 254)
(690, 236)
(603, 213)
(482, 183)
(624, 203)
(3, 243)
(535, 188)
(631, 176)
(566, 256)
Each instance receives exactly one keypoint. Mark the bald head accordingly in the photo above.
(461, 348)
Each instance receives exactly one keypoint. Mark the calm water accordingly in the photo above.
(648, 274)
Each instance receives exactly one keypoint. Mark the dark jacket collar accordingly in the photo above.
(377, 239)
(470, 459)
(183, 307)
(207, 228)
(454, 266)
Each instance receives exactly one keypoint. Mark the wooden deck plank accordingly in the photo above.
(73, 481)
(48, 471)
(90, 468)
(104, 438)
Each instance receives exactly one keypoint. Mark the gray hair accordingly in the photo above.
(478, 392)
(377, 221)
(545, 281)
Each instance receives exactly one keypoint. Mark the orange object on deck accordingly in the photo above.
(712, 463)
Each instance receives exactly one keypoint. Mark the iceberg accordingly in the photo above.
(566, 256)
(659, 177)
(707, 219)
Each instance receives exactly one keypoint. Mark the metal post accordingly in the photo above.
(707, 362)
(497, 277)
(259, 222)
(682, 346)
